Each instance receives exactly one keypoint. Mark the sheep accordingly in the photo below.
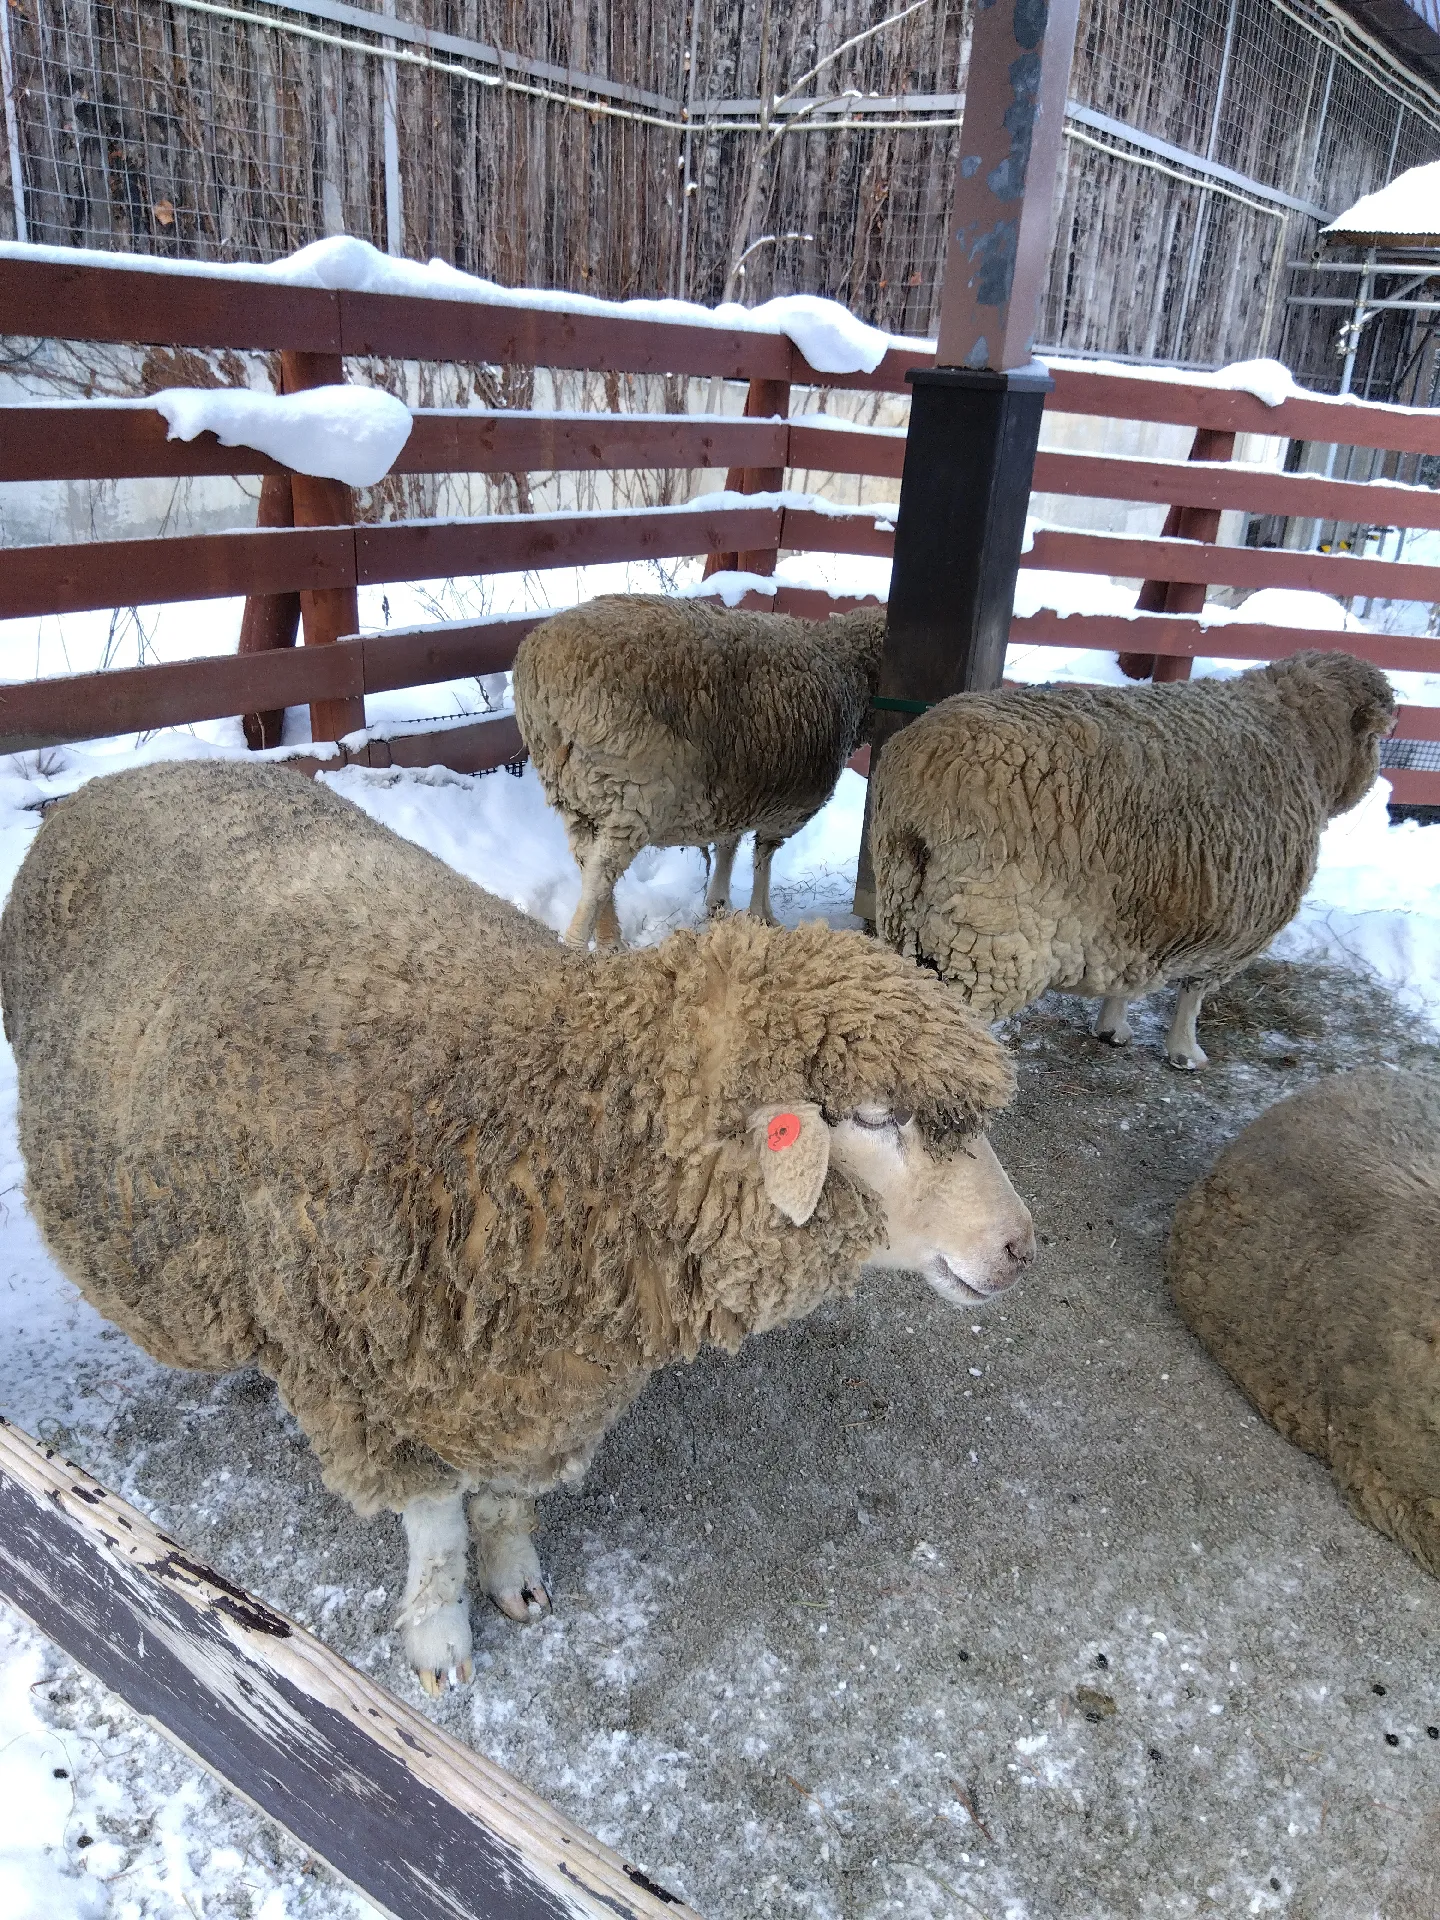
(1110, 841)
(1306, 1262)
(295, 1095)
(658, 722)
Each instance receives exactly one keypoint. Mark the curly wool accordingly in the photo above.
(294, 1094)
(1306, 1262)
(1110, 840)
(669, 722)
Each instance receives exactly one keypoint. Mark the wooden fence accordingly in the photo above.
(312, 549)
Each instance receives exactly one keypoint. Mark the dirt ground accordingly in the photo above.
(1020, 1614)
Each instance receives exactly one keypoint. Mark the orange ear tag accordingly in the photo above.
(783, 1131)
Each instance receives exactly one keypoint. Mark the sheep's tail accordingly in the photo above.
(902, 859)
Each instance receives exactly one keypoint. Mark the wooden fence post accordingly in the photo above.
(764, 401)
(271, 619)
(327, 614)
(1180, 596)
(975, 419)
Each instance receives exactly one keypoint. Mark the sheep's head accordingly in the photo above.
(840, 1086)
(1348, 707)
(949, 1211)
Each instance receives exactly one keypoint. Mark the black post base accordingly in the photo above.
(969, 463)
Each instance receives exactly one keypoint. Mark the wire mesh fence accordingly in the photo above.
(655, 146)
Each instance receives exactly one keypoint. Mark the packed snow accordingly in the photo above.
(354, 434)
(1408, 208)
(827, 334)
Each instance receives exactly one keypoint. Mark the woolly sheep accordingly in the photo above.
(1110, 841)
(1307, 1263)
(655, 722)
(295, 1095)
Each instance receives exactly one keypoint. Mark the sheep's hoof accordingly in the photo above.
(1120, 1036)
(531, 1602)
(1187, 1062)
(438, 1680)
(438, 1647)
(717, 909)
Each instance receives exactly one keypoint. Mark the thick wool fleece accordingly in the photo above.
(1109, 840)
(657, 722)
(1309, 1264)
(293, 1094)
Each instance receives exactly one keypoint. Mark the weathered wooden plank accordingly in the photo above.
(1235, 640)
(1412, 788)
(202, 566)
(65, 301)
(465, 330)
(807, 531)
(498, 442)
(96, 441)
(1138, 396)
(1418, 723)
(92, 706)
(423, 1826)
(424, 656)
(872, 450)
(1248, 489)
(1148, 559)
(510, 543)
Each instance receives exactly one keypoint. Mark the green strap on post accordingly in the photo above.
(903, 706)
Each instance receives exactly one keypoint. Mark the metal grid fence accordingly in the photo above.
(626, 151)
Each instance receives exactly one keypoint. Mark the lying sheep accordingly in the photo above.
(1307, 1263)
(1109, 840)
(295, 1095)
(657, 723)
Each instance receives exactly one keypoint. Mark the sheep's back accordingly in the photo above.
(1306, 1262)
(229, 994)
(1119, 836)
(703, 722)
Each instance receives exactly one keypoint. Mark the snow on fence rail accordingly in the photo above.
(307, 544)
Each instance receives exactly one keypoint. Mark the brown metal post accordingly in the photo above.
(1180, 596)
(326, 613)
(764, 401)
(270, 619)
(975, 420)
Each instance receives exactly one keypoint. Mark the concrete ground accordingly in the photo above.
(1020, 1614)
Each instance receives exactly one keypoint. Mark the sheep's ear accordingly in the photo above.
(794, 1147)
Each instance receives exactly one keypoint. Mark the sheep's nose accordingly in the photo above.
(1019, 1252)
(1022, 1248)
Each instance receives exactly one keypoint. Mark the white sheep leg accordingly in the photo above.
(765, 851)
(717, 894)
(601, 867)
(434, 1616)
(509, 1565)
(1112, 1026)
(1182, 1049)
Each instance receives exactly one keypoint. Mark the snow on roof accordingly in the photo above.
(1408, 210)
(829, 335)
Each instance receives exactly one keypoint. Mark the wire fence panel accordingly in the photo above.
(737, 148)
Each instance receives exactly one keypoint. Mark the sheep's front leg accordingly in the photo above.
(509, 1566)
(717, 894)
(765, 851)
(1182, 1049)
(434, 1616)
(1112, 1026)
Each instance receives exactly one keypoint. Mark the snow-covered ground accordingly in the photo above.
(97, 1815)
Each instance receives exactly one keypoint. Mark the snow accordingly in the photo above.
(1269, 380)
(347, 433)
(830, 337)
(1408, 207)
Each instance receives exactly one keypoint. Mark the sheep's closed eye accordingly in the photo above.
(882, 1119)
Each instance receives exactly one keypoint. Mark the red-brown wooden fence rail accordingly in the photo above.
(113, 441)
